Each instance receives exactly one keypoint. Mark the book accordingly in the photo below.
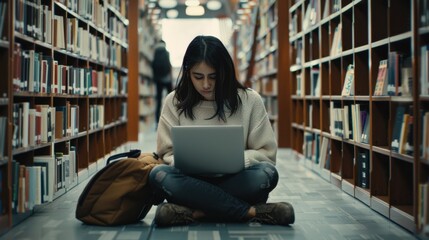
(381, 84)
(348, 87)
(409, 143)
(3, 131)
(44, 179)
(3, 11)
(363, 166)
(323, 152)
(423, 207)
(17, 56)
(315, 82)
(407, 77)
(59, 179)
(424, 72)
(15, 183)
(404, 133)
(365, 131)
(25, 123)
(50, 164)
(336, 46)
(394, 76)
(425, 136)
(346, 122)
(397, 126)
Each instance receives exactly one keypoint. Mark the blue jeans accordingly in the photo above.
(228, 197)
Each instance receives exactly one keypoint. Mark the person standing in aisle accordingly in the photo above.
(162, 74)
(208, 93)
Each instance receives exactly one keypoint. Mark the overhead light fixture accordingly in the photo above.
(172, 13)
(192, 3)
(252, 3)
(195, 11)
(214, 5)
(167, 3)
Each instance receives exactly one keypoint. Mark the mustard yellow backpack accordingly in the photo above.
(119, 193)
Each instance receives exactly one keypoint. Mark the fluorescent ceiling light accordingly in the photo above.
(214, 5)
(167, 3)
(192, 3)
(172, 13)
(195, 11)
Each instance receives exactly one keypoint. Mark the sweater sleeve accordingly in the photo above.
(168, 118)
(261, 140)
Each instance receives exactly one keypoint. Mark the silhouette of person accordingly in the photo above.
(162, 75)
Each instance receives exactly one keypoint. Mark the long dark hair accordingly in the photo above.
(211, 51)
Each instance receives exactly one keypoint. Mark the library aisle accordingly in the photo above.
(322, 210)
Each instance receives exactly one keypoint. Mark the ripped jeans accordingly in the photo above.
(227, 198)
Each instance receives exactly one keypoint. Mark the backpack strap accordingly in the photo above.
(133, 153)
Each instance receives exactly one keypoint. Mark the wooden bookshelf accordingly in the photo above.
(144, 35)
(87, 77)
(258, 57)
(328, 129)
(147, 87)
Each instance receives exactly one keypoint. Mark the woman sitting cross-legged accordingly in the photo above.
(208, 93)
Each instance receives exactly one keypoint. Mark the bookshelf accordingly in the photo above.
(141, 93)
(147, 88)
(63, 95)
(371, 144)
(258, 57)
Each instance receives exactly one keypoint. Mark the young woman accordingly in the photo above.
(208, 92)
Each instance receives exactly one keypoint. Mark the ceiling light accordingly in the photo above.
(252, 3)
(195, 11)
(172, 13)
(214, 5)
(192, 3)
(167, 3)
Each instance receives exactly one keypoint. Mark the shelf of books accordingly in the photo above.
(264, 79)
(147, 91)
(63, 97)
(248, 22)
(5, 113)
(359, 100)
(258, 52)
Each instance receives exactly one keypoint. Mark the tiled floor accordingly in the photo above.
(322, 212)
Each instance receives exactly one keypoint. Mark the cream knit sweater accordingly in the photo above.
(260, 142)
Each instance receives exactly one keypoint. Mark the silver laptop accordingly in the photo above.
(208, 149)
